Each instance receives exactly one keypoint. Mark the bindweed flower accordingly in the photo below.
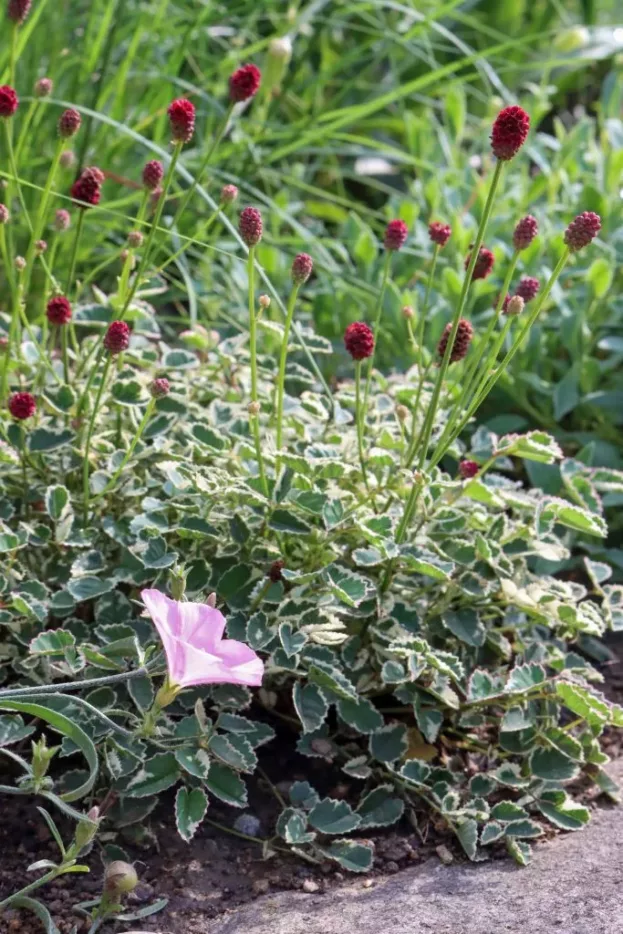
(58, 310)
(229, 194)
(439, 233)
(515, 306)
(22, 405)
(196, 653)
(484, 263)
(5, 214)
(528, 288)
(117, 338)
(160, 387)
(69, 123)
(43, 87)
(250, 226)
(181, 114)
(509, 133)
(153, 173)
(87, 188)
(396, 234)
(359, 340)
(9, 101)
(18, 10)
(468, 469)
(525, 232)
(462, 340)
(244, 83)
(62, 220)
(582, 230)
(302, 268)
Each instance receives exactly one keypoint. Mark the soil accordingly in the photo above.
(218, 871)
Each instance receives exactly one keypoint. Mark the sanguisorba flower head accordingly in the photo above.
(62, 220)
(160, 387)
(244, 83)
(181, 114)
(250, 226)
(18, 10)
(359, 340)
(58, 310)
(509, 133)
(525, 232)
(439, 233)
(229, 194)
(484, 263)
(153, 173)
(69, 123)
(22, 405)
(5, 214)
(302, 268)
(117, 338)
(468, 469)
(396, 234)
(462, 340)
(87, 189)
(528, 288)
(43, 87)
(582, 230)
(9, 101)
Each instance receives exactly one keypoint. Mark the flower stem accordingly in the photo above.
(87, 446)
(41, 215)
(377, 321)
(74, 250)
(283, 357)
(359, 420)
(443, 369)
(139, 431)
(61, 688)
(255, 421)
(422, 373)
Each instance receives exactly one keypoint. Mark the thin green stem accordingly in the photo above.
(255, 420)
(41, 215)
(74, 250)
(63, 331)
(65, 686)
(378, 311)
(137, 437)
(283, 357)
(87, 446)
(359, 420)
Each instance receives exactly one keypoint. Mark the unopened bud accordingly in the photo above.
(120, 878)
(211, 600)
(86, 830)
(67, 159)
(135, 239)
(253, 409)
(40, 247)
(5, 214)
(43, 87)
(515, 305)
(264, 301)
(281, 49)
(408, 313)
(402, 413)
(127, 256)
(177, 583)
(20, 263)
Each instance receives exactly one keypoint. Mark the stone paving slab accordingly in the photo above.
(574, 885)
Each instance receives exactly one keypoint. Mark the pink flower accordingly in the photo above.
(192, 636)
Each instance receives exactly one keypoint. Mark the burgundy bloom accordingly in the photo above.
(244, 83)
(43, 87)
(229, 193)
(250, 226)
(582, 230)
(302, 268)
(527, 288)
(439, 233)
(117, 337)
(462, 340)
(22, 405)
(18, 10)
(396, 234)
(87, 188)
(525, 232)
(160, 387)
(359, 340)
(58, 310)
(484, 263)
(182, 120)
(507, 299)
(468, 469)
(62, 219)
(509, 132)
(69, 123)
(153, 173)
(274, 572)
(8, 101)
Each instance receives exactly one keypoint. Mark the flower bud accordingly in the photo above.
(302, 268)
(254, 409)
(166, 695)
(462, 340)
(250, 226)
(5, 214)
(18, 10)
(19, 263)
(408, 312)
(229, 194)
(244, 83)
(68, 159)
(69, 123)
(264, 302)
(396, 234)
(509, 133)
(402, 413)
(274, 572)
(281, 49)
(126, 256)
(153, 173)
(211, 600)
(181, 114)
(515, 305)
(120, 878)
(160, 387)
(43, 87)
(177, 583)
(582, 230)
(135, 239)
(117, 338)
(40, 247)
(9, 101)
(439, 233)
(468, 469)
(22, 405)
(62, 220)
(86, 830)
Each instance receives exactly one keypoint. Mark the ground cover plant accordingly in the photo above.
(205, 538)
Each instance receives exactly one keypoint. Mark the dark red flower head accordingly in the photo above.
(250, 226)
(462, 340)
(525, 232)
(274, 572)
(18, 10)
(160, 387)
(359, 340)
(22, 405)
(302, 268)
(153, 173)
(483, 265)
(117, 337)
(244, 83)
(505, 302)
(468, 469)
(396, 234)
(527, 288)
(8, 101)
(69, 123)
(182, 120)
(582, 230)
(439, 233)
(58, 310)
(87, 188)
(509, 133)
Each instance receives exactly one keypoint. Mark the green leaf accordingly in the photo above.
(57, 502)
(520, 851)
(389, 743)
(128, 392)
(552, 765)
(523, 678)
(42, 439)
(226, 785)
(303, 795)
(155, 775)
(234, 750)
(574, 517)
(534, 446)
(421, 561)
(196, 762)
(380, 808)
(52, 642)
(329, 816)
(584, 703)
(208, 436)
(88, 587)
(567, 815)
(291, 640)
(467, 832)
(13, 729)
(361, 714)
(465, 624)
(348, 587)
(292, 826)
(491, 833)
(354, 857)
(599, 276)
(333, 680)
(310, 704)
(283, 521)
(190, 809)
(507, 811)
(528, 829)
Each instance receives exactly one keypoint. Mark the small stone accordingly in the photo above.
(368, 883)
(392, 866)
(444, 855)
(260, 886)
(310, 886)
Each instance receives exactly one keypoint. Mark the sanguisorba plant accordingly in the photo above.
(387, 612)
